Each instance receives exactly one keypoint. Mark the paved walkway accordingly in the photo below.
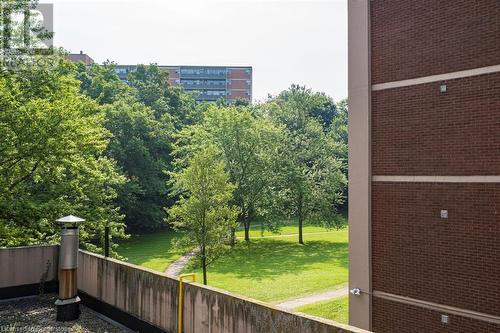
(332, 294)
(175, 268)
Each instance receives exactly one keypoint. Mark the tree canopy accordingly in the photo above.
(74, 139)
(247, 144)
(142, 118)
(203, 211)
(312, 178)
(52, 161)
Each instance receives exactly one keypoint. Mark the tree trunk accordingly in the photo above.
(232, 240)
(301, 218)
(301, 240)
(204, 264)
(247, 231)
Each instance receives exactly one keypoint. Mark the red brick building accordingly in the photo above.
(81, 57)
(424, 165)
(210, 82)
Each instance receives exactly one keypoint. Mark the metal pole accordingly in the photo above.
(180, 301)
(106, 241)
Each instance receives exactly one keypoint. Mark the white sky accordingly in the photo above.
(286, 41)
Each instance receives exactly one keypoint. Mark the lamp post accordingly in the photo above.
(68, 303)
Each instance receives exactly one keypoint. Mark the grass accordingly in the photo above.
(337, 309)
(272, 268)
(153, 250)
(290, 228)
(278, 268)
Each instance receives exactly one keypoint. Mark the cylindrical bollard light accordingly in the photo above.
(68, 303)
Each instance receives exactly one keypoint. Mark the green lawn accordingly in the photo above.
(154, 250)
(337, 309)
(273, 268)
(278, 268)
(290, 228)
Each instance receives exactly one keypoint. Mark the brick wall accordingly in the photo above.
(454, 261)
(414, 38)
(417, 130)
(239, 84)
(239, 73)
(237, 94)
(411, 319)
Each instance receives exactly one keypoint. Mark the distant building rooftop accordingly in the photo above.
(81, 57)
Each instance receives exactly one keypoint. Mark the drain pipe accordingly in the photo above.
(68, 303)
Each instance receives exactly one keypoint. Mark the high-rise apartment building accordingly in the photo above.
(211, 82)
(424, 165)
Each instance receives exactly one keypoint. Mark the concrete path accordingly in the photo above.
(332, 294)
(175, 268)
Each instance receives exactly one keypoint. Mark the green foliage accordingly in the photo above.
(52, 162)
(312, 178)
(317, 105)
(338, 133)
(101, 83)
(152, 88)
(141, 118)
(203, 211)
(247, 144)
(141, 147)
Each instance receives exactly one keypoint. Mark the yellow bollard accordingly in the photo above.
(181, 299)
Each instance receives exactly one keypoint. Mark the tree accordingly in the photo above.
(203, 212)
(152, 88)
(338, 132)
(312, 178)
(142, 119)
(141, 145)
(247, 144)
(101, 83)
(52, 162)
(319, 105)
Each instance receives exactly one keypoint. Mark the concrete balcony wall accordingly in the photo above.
(28, 265)
(153, 296)
(203, 76)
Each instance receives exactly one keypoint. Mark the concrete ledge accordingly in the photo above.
(152, 297)
(438, 307)
(28, 265)
(118, 315)
(28, 290)
(437, 179)
(437, 78)
(147, 301)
